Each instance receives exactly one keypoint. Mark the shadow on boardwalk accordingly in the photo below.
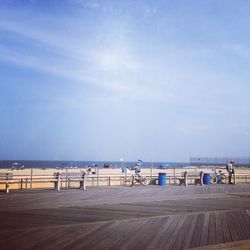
(152, 217)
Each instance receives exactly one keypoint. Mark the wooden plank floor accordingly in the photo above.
(152, 217)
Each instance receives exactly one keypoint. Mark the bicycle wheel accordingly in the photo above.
(223, 179)
(144, 181)
(213, 179)
(132, 180)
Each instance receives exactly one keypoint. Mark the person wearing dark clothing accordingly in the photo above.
(230, 171)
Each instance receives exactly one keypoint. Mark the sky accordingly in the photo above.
(157, 80)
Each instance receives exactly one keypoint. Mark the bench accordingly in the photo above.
(5, 179)
(198, 178)
(69, 177)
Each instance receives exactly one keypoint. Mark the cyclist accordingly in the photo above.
(136, 177)
(137, 168)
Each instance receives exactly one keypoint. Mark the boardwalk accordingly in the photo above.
(152, 217)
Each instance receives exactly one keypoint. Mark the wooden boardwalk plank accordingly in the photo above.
(130, 234)
(92, 238)
(66, 236)
(237, 225)
(211, 230)
(234, 245)
(8, 239)
(244, 218)
(145, 234)
(138, 232)
(122, 233)
(26, 239)
(198, 230)
(161, 243)
(232, 229)
(246, 215)
(176, 235)
(163, 233)
(204, 232)
(188, 237)
(182, 233)
(225, 228)
(218, 229)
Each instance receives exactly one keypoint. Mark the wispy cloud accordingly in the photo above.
(76, 72)
(71, 58)
(54, 68)
(106, 56)
(116, 59)
(66, 46)
(109, 63)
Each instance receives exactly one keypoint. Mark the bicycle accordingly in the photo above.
(136, 178)
(218, 177)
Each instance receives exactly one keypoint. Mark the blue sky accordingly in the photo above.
(104, 79)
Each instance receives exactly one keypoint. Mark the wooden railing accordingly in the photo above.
(8, 182)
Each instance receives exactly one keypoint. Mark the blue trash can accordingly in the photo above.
(206, 179)
(162, 179)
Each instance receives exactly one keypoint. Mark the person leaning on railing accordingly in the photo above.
(230, 170)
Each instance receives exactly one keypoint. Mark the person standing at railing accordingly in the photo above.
(230, 170)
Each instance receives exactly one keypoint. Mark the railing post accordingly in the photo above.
(66, 181)
(186, 178)
(201, 178)
(21, 183)
(31, 178)
(58, 186)
(7, 186)
(83, 181)
(234, 172)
